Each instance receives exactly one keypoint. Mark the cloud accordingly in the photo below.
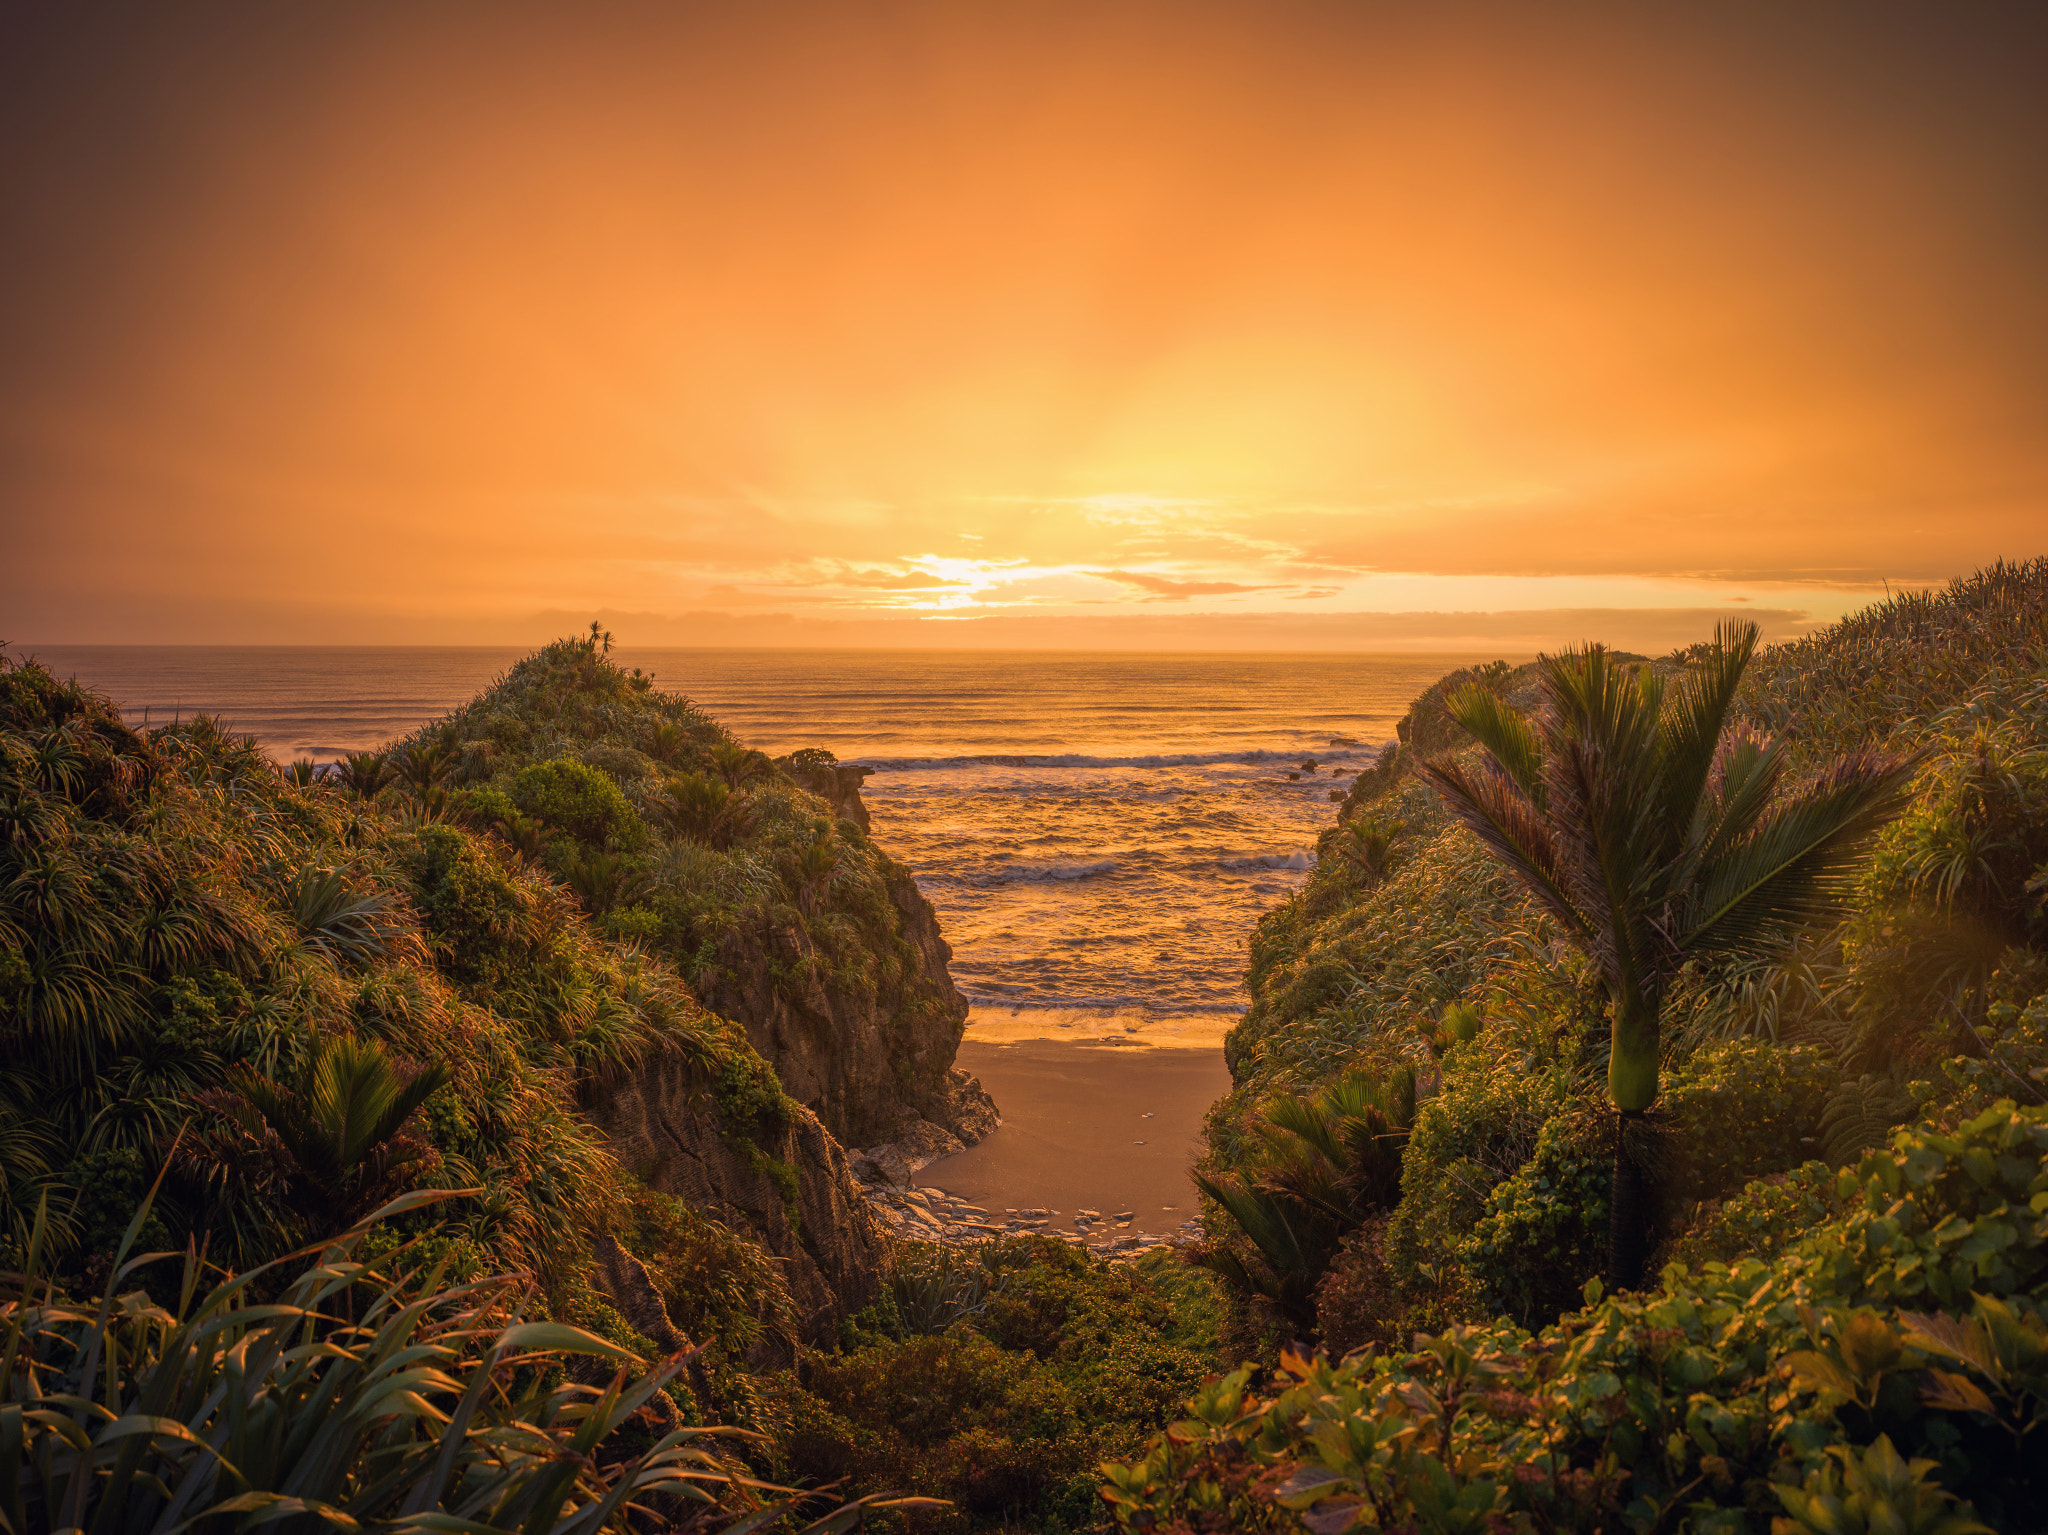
(1648, 307)
(889, 580)
(1166, 586)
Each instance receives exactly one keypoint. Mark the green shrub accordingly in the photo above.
(481, 808)
(1760, 1220)
(1544, 1231)
(1737, 1110)
(1476, 1131)
(751, 1102)
(475, 909)
(580, 800)
(1907, 1326)
(1045, 1362)
(721, 1291)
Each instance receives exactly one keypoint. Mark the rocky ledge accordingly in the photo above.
(930, 1214)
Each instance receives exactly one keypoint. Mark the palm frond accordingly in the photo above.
(1694, 717)
(1861, 1115)
(1794, 869)
(1600, 816)
(1504, 731)
(1503, 817)
(1748, 769)
(1294, 1246)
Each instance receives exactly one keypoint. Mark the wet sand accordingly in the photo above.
(1076, 1133)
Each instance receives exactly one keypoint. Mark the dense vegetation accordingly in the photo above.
(283, 1001)
(257, 1006)
(999, 1379)
(198, 955)
(328, 1043)
(675, 837)
(1872, 1333)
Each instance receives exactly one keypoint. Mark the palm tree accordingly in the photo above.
(736, 764)
(1326, 1164)
(364, 773)
(343, 1132)
(1652, 831)
(666, 741)
(524, 835)
(1368, 844)
(425, 766)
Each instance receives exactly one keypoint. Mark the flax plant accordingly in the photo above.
(361, 1397)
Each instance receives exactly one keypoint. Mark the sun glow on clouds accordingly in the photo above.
(960, 586)
(453, 317)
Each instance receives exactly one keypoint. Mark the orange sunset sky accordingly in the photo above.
(1310, 325)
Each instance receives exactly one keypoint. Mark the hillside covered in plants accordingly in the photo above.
(775, 907)
(1820, 872)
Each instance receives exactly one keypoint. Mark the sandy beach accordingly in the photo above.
(1088, 1125)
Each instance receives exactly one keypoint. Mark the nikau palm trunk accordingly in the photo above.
(1632, 1084)
(1628, 1208)
(1632, 1054)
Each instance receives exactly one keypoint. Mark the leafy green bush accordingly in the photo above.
(1737, 1110)
(1544, 1230)
(579, 799)
(1907, 1324)
(1759, 1220)
(998, 1380)
(1475, 1132)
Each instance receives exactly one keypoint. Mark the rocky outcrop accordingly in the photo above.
(916, 1143)
(837, 785)
(866, 1063)
(963, 1107)
(791, 1189)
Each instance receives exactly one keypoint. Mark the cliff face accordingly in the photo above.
(875, 1066)
(661, 1122)
(838, 786)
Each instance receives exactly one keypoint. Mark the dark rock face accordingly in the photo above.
(663, 1124)
(864, 1065)
(838, 787)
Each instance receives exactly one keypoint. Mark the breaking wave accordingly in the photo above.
(1082, 760)
(1300, 858)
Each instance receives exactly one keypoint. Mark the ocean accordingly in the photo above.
(1098, 832)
